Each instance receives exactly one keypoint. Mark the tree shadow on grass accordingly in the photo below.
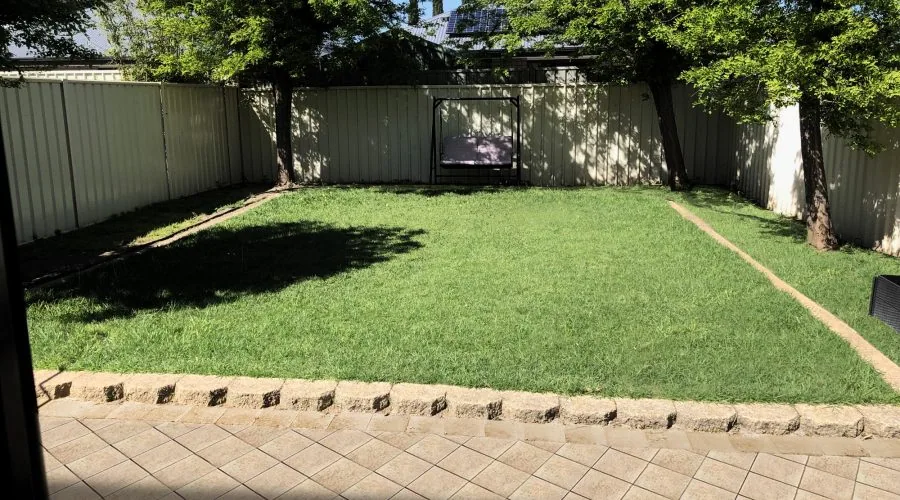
(222, 264)
(725, 202)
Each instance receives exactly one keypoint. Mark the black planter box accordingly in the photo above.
(885, 302)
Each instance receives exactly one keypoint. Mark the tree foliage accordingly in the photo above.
(758, 55)
(227, 40)
(45, 27)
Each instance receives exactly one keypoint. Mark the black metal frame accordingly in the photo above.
(436, 164)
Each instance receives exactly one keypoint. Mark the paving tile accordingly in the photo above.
(503, 429)
(249, 465)
(63, 434)
(341, 475)
(238, 416)
(281, 419)
(175, 429)
(167, 412)
(537, 489)
(865, 492)
(465, 463)
(800, 459)
(201, 437)
(738, 459)
(500, 478)
(585, 454)
(240, 493)
(432, 448)
(401, 440)
(587, 434)
(426, 425)
(721, 474)
(562, 471)
(806, 495)
(879, 477)
(758, 487)
(437, 484)
(130, 411)
(148, 488)
(457, 439)
(309, 490)
(492, 447)
(472, 491)
(50, 462)
(116, 478)
(77, 491)
(596, 485)
(349, 420)
(525, 457)
(373, 454)
(224, 451)
(779, 469)
(638, 493)
(97, 462)
(828, 485)
(890, 463)
(555, 433)
(662, 481)
(404, 468)
(681, 461)
(670, 439)
(345, 440)
(75, 449)
(275, 481)
(620, 465)
(258, 436)
(312, 420)
(373, 487)
(59, 479)
(147, 440)
(202, 415)
(645, 454)
(840, 466)
(312, 459)
(472, 427)
(550, 446)
(845, 447)
(121, 430)
(388, 423)
(95, 424)
(698, 490)
(573, 496)
(48, 422)
(183, 471)
(286, 445)
(797, 445)
(406, 494)
(212, 485)
(882, 447)
(702, 442)
(162, 456)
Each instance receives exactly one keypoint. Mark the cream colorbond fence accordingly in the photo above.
(573, 134)
(80, 152)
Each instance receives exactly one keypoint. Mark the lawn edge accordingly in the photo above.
(267, 396)
(886, 368)
(121, 254)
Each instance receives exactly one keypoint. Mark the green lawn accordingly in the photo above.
(70, 250)
(840, 281)
(602, 291)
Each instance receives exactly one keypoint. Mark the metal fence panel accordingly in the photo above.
(34, 135)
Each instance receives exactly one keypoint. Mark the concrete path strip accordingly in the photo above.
(116, 256)
(889, 370)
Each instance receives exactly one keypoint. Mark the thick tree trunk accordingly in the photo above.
(668, 129)
(819, 230)
(437, 7)
(284, 156)
(413, 13)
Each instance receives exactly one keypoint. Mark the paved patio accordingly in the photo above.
(130, 450)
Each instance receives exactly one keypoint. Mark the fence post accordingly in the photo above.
(65, 113)
(240, 130)
(162, 117)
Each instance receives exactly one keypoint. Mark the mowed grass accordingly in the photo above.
(603, 291)
(840, 281)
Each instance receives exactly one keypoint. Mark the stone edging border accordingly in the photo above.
(441, 400)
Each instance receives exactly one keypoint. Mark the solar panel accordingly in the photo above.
(479, 22)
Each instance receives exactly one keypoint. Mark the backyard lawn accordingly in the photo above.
(605, 291)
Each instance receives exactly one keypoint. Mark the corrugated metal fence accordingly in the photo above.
(80, 152)
(865, 206)
(572, 134)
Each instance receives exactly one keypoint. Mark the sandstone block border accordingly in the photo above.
(270, 395)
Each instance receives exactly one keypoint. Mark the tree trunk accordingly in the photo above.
(819, 230)
(413, 13)
(668, 129)
(284, 156)
(437, 7)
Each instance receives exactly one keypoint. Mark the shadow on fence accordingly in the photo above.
(222, 264)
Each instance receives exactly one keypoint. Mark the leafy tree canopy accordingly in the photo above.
(45, 27)
(758, 55)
